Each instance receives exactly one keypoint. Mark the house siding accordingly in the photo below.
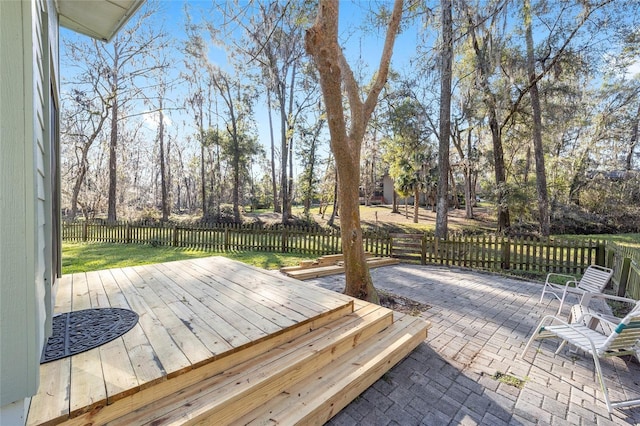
(25, 197)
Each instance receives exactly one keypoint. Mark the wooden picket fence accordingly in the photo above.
(495, 253)
(625, 262)
(524, 256)
(222, 237)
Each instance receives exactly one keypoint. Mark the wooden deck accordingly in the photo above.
(215, 339)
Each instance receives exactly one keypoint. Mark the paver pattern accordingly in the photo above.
(480, 324)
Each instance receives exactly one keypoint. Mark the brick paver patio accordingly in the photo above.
(480, 324)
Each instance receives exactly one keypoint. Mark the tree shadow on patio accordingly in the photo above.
(426, 389)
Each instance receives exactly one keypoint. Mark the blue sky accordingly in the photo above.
(359, 48)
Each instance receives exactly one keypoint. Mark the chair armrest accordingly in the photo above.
(552, 319)
(553, 274)
(616, 298)
(609, 319)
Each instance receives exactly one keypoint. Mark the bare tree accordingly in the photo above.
(240, 145)
(346, 137)
(273, 44)
(83, 123)
(123, 61)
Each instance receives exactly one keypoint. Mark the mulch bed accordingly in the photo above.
(401, 304)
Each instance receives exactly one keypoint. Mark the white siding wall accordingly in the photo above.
(41, 123)
(25, 280)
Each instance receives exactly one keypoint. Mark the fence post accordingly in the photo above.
(624, 276)
(506, 254)
(610, 256)
(600, 253)
(175, 235)
(226, 238)
(423, 249)
(284, 240)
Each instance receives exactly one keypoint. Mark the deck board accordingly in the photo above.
(255, 299)
(160, 299)
(139, 349)
(233, 308)
(193, 316)
(255, 278)
(89, 392)
(119, 376)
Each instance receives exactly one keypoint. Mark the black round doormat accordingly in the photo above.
(79, 331)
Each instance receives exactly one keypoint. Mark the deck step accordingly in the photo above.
(254, 382)
(318, 271)
(139, 401)
(316, 399)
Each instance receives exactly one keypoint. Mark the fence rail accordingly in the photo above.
(485, 252)
(625, 263)
(222, 237)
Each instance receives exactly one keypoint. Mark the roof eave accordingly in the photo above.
(85, 26)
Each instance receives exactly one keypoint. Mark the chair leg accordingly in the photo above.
(564, 342)
(544, 289)
(596, 361)
(533, 337)
(564, 294)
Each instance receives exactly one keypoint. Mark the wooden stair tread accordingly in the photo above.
(320, 396)
(166, 388)
(321, 271)
(327, 260)
(248, 385)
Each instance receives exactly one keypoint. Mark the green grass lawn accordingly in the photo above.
(631, 240)
(84, 257)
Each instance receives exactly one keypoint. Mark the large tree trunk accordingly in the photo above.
(416, 203)
(504, 221)
(358, 280)
(277, 208)
(163, 173)
(113, 140)
(82, 172)
(284, 152)
(113, 175)
(203, 175)
(541, 174)
(442, 210)
(321, 43)
(394, 202)
(290, 128)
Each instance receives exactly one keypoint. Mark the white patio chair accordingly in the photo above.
(596, 308)
(594, 280)
(625, 340)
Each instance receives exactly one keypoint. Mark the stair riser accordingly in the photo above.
(229, 387)
(158, 390)
(316, 399)
(236, 403)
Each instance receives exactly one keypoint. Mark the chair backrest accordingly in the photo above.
(595, 279)
(627, 334)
